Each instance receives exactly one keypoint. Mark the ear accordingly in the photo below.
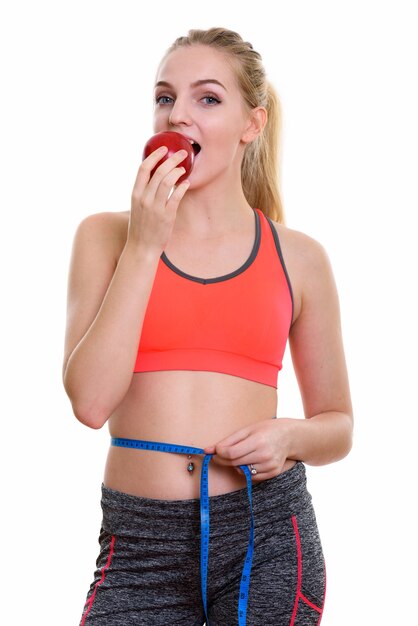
(257, 119)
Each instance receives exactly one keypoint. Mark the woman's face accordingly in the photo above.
(196, 95)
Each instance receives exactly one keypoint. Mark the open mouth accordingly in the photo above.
(196, 147)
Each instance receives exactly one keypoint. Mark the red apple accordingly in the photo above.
(174, 142)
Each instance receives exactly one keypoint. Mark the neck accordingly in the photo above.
(204, 214)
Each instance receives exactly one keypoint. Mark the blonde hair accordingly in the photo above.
(260, 164)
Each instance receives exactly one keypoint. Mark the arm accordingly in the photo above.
(316, 346)
(318, 358)
(106, 306)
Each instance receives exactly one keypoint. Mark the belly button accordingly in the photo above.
(190, 466)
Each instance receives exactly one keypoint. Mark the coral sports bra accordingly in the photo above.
(236, 324)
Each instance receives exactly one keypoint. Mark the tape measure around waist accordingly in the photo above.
(204, 517)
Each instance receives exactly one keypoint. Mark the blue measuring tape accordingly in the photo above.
(204, 517)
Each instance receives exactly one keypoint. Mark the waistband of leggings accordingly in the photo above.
(272, 499)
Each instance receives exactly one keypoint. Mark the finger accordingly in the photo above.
(234, 438)
(253, 476)
(165, 169)
(176, 197)
(262, 474)
(252, 457)
(234, 462)
(209, 450)
(266, 471)
(238, 453)
(161, 196)
(162, 193)
(146, 167)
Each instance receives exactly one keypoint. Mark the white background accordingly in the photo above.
(76, 109)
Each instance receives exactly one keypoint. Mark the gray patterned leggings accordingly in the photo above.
(148, 569)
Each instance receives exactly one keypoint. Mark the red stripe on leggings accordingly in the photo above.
(299, 583)
(99, 582)
(299, 595)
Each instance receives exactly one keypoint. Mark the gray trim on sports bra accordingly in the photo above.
(218, 279)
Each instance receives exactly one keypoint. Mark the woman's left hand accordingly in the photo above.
(264, 445)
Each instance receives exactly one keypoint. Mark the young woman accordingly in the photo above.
(179, 311)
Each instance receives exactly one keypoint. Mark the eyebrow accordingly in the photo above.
(197, 83)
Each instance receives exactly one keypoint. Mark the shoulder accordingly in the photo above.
(109, 222)
(298, 244)
(307, 263)
(106, 228)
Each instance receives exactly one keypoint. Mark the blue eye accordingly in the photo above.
(157, 100)
(211, 98)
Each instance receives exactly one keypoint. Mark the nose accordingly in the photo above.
(180, 114)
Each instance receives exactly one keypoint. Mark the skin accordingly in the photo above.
(212, 235)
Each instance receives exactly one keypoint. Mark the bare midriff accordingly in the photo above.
(193, 408)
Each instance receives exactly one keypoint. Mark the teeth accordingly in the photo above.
(196, 147)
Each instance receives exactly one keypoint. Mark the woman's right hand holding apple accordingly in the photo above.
(153, 209)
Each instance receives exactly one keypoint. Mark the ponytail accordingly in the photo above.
(260, 165)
